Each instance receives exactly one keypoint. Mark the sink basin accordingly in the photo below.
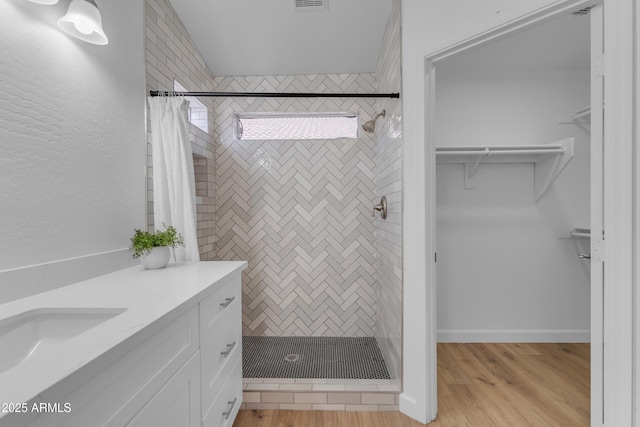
(35, 331)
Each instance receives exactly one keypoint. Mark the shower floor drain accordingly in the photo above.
(292, 357)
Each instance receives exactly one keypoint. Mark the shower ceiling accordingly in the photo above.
(258, 37)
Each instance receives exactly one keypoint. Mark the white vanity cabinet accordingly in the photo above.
(182, 370)
(174, 404)
(207, 390)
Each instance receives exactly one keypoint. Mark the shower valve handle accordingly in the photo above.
(382, 207)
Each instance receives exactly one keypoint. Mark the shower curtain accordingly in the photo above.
(174, 194)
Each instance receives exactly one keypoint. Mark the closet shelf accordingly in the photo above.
(548, 159)
(583, 112)
(580, 233)
(579, 117)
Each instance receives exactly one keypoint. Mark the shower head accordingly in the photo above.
(370, 126)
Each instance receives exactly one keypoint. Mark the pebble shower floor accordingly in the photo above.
(312, 357)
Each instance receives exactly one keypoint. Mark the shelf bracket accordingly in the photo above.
(470, 170)
(469, 175)
(547, 170)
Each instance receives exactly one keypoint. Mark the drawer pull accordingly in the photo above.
(232, 403)
(229, 348)
(227, 302)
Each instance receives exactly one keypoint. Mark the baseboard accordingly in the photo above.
(524, 336)
(26, 281)
(410, 408)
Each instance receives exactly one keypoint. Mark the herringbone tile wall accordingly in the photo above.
(389, 183)
(299, 212)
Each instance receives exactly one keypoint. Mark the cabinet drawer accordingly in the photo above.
(223, 300)
(175, 404)
(220, 353)
(227, 403)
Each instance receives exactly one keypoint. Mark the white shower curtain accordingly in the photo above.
(174, 193)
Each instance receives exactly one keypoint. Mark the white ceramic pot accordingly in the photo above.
(157, 258)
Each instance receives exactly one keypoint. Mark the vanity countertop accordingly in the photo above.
(147, 296)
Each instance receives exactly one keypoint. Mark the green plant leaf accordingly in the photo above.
(143, 242)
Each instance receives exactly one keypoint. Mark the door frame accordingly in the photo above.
(419, 396)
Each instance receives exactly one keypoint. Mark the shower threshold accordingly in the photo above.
(321, 358)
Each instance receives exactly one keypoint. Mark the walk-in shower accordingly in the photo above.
(300, 211)
(322, 296)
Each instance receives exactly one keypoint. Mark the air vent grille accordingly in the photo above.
(310, 4)
(582, 12)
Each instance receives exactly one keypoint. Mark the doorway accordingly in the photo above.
(512, 138)
(509, 230)
(419, 398)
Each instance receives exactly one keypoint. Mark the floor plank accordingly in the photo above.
(281, 418)
(479, 385)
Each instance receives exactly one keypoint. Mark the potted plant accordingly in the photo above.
(153, 248)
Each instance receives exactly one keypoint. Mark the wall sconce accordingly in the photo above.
(82, 21)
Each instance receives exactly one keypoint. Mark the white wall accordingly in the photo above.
(72, 145)
(636, 235)
(503, 273)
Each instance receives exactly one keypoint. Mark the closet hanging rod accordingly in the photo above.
(548, 160)
(275, 94)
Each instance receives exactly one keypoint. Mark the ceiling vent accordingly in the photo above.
(583, 12)
(310, 4)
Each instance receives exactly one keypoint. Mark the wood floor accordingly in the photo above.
(491, 385)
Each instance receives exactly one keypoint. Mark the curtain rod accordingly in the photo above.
(276, 94)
